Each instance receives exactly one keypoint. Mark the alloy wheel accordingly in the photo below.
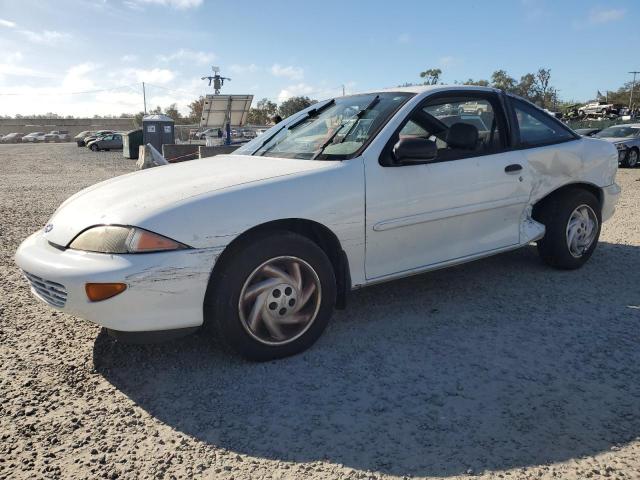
(280, 300)
(582, 229)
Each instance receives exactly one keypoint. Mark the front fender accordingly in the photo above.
(333, 197)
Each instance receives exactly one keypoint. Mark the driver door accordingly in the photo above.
(466, 202)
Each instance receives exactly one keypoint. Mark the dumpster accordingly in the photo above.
(131, 142)
(157, 130)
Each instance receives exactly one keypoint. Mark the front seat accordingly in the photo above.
(462, 140)
(462, 136)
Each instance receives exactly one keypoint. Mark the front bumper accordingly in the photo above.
(610, 197)
(165, 290)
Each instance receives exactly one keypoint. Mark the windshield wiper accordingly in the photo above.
(357, 116)
(271, 137)
(311, 113)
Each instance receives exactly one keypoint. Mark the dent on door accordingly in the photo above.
(424, 215)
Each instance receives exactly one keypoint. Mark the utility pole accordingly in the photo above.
(144, 97)
(633, 86)
(343, 89)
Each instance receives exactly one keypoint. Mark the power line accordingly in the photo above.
(184, 92)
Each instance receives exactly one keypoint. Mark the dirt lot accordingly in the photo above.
(501, 368)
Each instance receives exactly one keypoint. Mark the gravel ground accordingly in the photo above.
(501, 368)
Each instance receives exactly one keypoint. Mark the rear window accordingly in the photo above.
(537, 127)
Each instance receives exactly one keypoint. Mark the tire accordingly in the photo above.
(229, 318)
(631, 159)
(556, 213)
(94, 148)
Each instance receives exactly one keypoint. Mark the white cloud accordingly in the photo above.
(12, 67)
(77, 79)
(294, 91)
(14, 57)
(289, 71)
(46, 37)
(201, 58)
(179, 4)
(154, 75)
(403, 38)
(129, 58)
(6, 23)
(599, 15)
(9, 69)
(243, 69)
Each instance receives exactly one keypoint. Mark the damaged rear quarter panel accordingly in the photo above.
(585, 160)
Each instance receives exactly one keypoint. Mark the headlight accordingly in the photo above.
(118, 239)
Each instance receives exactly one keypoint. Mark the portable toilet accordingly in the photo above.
(131, 142)
(158, 130)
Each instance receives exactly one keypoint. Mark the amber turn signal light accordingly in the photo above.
(101, 291)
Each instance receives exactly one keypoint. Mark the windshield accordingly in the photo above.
(334, 130)
(618, 132)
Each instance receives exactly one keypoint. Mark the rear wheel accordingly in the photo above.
(572, 220)
(273, 297)
(631, 160)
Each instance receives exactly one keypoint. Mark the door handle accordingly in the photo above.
(514, 167)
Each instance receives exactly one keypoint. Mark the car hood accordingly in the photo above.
(131, 199)
(614, 139)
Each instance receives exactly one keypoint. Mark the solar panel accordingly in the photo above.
(218, 108)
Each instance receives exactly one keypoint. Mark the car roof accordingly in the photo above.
(433, 88)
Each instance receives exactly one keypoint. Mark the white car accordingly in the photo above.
(34, 137)
(264, 243)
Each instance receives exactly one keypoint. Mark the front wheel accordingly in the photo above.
(94, 148)
(631, 160)
(572, 220)
(273, 297)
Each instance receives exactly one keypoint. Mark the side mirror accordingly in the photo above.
(412, 150)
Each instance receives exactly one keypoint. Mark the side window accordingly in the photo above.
(461, 126)
(538, 128)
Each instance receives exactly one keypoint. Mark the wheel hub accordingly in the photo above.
(582, 229)
(281, 300)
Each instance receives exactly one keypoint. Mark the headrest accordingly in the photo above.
(462, 136)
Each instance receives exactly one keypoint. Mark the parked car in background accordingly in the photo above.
(587, 132)
(626, 139)
(57, 136)
(357, 190)
(209, 132)
(12, 138)
(94, 136)
(478, 108)
(596, 108)
(106, 142)
(33, 137)
(79, 138)
(249, 134)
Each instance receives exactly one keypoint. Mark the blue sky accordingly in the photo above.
(276, 49)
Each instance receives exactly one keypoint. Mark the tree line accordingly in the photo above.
(535, 87)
